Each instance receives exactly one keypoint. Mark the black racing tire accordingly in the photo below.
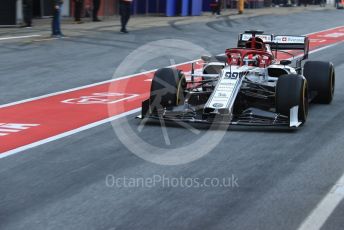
(167, 88)
(292, 90)
(321, 79)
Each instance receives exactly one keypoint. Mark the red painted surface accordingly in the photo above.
(53, 116)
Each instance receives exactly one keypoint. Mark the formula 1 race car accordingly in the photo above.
(249, 85)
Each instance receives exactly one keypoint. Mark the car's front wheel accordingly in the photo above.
(291, 91)
(167, 88)
(321, 80)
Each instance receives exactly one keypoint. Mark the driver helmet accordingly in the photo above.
(251, 60)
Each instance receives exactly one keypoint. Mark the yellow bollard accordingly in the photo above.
(241, 6)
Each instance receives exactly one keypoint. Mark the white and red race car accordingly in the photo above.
(249, 85)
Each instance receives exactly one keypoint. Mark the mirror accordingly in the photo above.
(206, 58)
(221, 58)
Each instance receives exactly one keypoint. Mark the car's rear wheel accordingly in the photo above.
(321, 80)
(167, 89)
(291, 90)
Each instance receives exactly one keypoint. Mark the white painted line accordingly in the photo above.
(324, 30)
(45, 39)
(19, 37)
(86, 86)
(325, 47)
(324, 209)
(66, 134)
(50, 39)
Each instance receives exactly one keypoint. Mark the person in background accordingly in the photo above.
(96, 5)
(304, 2)
(27, 5)
(216, 7)
(77, 10)
(56, 22)
(336, 2)
(219, 4)
(124, 11)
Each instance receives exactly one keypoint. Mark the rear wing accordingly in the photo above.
(279, 42)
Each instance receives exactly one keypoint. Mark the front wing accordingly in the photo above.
(250, 117)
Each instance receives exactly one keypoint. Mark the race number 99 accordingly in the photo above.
(230, 75)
